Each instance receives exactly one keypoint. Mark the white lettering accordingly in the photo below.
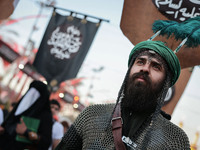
(175, 6)
(182, 12)
(158, 2)
(195, 1)
(169, 3)
(65, 43)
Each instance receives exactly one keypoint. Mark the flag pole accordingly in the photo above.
(75, 12)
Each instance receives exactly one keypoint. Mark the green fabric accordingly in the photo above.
(164, 52)
(189, 28)
(32, 124)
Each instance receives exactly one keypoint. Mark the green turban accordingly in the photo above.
(166, 53)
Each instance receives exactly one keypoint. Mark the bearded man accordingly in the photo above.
(136, 120)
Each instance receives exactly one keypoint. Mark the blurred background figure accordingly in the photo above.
(1, 116)
(65, 125)
(57, 129)
(12, 105)
(1, 121)
(7, 7)
(29, 124)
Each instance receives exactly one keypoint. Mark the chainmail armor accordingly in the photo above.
(164, 135)
(91, 128)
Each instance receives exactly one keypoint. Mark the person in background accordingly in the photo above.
(1, 116)
(57, 129)
(29, 124)
(65, 125)
(1, 121)
(13, 104)
(136, 121)
(6, 9)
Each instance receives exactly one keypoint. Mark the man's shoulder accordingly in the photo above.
(101, 106)
(166, 122)
(98, 109)
(171, 127)
(165, 135)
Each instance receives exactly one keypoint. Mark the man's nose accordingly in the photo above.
(146, 68)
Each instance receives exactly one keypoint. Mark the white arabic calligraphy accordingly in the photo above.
(65, 43)
(169, 2)
(195, 1)
(182, 12)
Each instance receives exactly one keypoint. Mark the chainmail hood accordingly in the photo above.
(160, 100)
(92, 129)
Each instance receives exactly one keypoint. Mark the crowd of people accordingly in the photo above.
(32, 123)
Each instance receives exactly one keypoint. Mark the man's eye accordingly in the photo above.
(157, 67)
(140, 62)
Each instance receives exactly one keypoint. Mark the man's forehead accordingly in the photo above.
(148, 57)
(151, 51)
(150, 54)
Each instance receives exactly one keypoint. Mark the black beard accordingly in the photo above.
(139, 96)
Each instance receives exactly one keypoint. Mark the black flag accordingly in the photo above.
(64, 46)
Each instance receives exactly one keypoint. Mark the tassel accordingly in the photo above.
(188, 29)
(166, 27)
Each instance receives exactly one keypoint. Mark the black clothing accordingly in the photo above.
(40, 109)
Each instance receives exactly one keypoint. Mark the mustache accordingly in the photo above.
(144, 75)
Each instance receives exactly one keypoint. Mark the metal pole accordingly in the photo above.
(75, 12)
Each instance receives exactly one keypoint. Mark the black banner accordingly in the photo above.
(64, 46)
(178, 10)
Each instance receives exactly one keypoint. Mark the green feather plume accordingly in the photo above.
(166, 27)
(188, 29)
